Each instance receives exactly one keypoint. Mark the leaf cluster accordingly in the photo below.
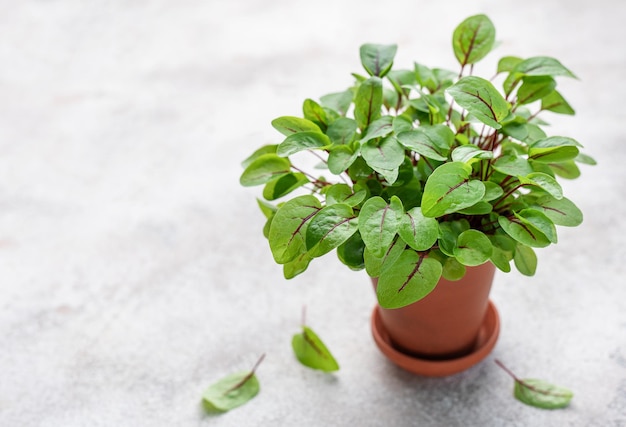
(426, 170)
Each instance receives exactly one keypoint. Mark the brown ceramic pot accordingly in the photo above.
(446, 324)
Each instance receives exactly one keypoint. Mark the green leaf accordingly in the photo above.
(342, 131)
(480, 208)
(315, 113)
(411, 277)
(297, 266)
(351, 252)
(534, 88)
(417, 231)
(473, 39)
(379, 223)
(541, 394)
(303, 141)
(359, 170)
(343, 193)
(375, 265)
(554, 149)
(338, 101)
(545, 182)
(312, 352)
(378, 128)
(453, 270)
(433, 142)
(266, 149)
(288, 125)
(402, 124)
(400, 79)
(472, 248)
(481, 99)
(340, 158)
(540, 221)
(585, 159)
(449, 189)
(264, 169)
(567, 170)
(512, 165)
(556, 103)
(524, 232)
(542, 66)
(267, 208)
(329, 228)
(500, 259)
(288, 229)
(385, 155)
(232, 391)
(284, 185)
(492, 191)
(562, 211)
(377, 59)
(525, 260)
(508, 63)
(465, 153)
(369, 100)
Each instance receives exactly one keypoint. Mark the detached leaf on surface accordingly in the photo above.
(539, 393)
(232, 391)
(312, 352)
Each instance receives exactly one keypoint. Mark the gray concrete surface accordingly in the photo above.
(133, 272)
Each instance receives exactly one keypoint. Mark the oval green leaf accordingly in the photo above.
(288, 125)
(329, 228)
(351, 252)
(340, 158)
(368, 102)
(524, 232)
(264, 169)
(378, 128)
(377, 59)
(541, 394)
(231, 392)
(311, 351)
(384, 155)
(449, 189)
(379, 223)
(433, 142)
(343, 193)
(465, 153)
(314, 112)
(525, 260)
(562, 211)
(418, 231)
(481, 99)
(543, 181)
(473, 248)
(473, 39)
(375, 265)
(534, 88)
(303, 141)
(288, 229)
(411, 277)
(284, 185)
(542, 66)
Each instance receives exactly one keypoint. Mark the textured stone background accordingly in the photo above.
(133, 272)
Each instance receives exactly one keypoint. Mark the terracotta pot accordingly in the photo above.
(454, 323)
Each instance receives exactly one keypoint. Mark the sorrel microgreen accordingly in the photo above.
(427, 170)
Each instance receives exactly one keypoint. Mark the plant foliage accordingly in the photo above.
(428, 170)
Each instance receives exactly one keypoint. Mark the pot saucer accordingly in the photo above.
(487, 337)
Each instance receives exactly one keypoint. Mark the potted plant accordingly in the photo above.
(432, 179)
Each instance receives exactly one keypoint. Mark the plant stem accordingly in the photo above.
(247, 377)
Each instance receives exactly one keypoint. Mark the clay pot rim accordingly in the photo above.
(487, 338)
